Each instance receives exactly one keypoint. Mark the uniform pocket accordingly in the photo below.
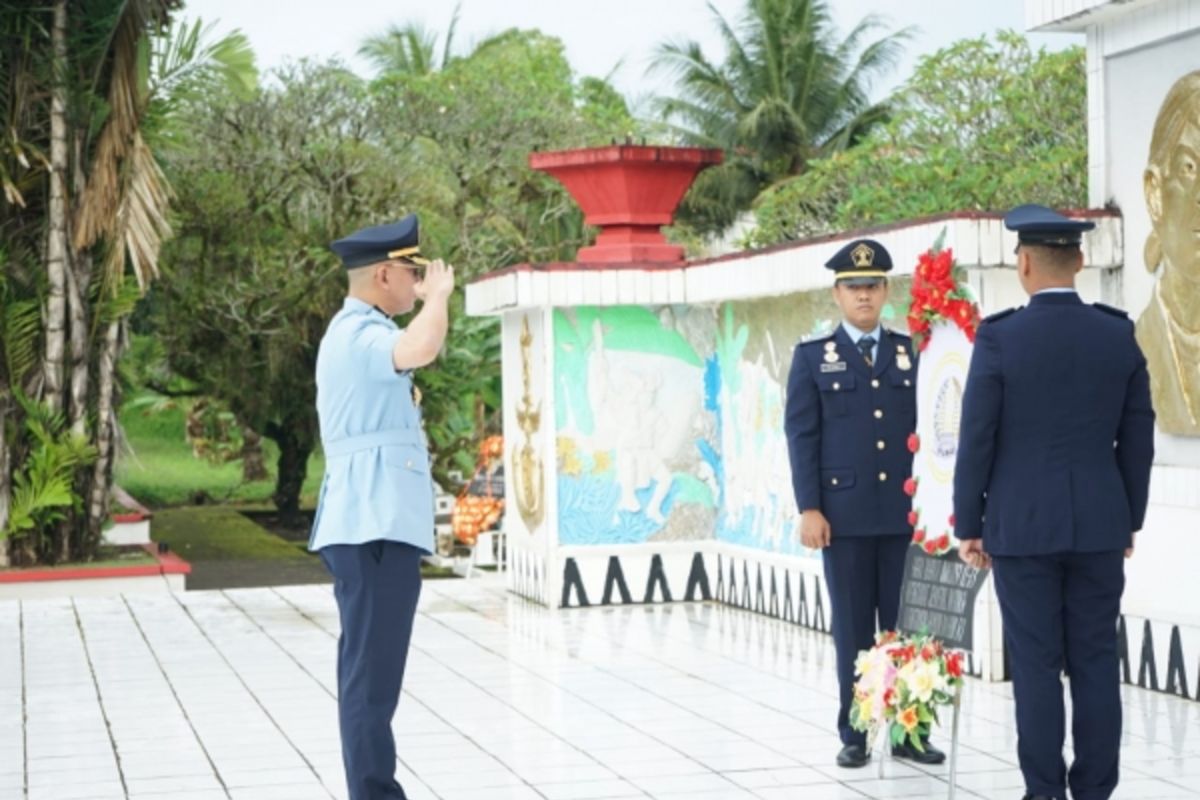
(835, 480)
(407, 457)
(833, 387)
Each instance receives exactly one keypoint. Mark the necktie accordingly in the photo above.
(864, 345)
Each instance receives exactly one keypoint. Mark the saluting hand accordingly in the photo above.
(437, 283)
(814, 530)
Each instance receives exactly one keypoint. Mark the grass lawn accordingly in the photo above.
(221, 533)
(160, 471)
(198, 509)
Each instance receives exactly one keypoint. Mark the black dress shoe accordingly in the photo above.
(853, 755)
(930, 755)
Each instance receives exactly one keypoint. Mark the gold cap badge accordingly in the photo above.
(863, 256)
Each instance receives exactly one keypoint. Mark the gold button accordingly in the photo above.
(833, 481)
(907, 382)
(880, 444)
(875, 383)
(836, 385)
(883, 476)
(878, 413)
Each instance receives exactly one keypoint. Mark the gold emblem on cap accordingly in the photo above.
(863, 256)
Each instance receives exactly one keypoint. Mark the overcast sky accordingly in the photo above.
(600, 37)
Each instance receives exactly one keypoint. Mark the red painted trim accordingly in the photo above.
(168, 564)
(133, 516)
(590, 267)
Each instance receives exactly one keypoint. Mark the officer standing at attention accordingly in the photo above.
(1051, 482)
(374, 518)
(851, 405)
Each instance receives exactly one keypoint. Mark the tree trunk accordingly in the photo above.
(78, 280)
(105, 425)
(5, 476)
(56, 243)
(292, 469)
(254, 468)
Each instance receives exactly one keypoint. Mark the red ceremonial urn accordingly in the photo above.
(630, 192)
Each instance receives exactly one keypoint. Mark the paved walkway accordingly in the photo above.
(230, 695)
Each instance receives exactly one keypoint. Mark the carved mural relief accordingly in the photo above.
(1169, 328)
(528, 478)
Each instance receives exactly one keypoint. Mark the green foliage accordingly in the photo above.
(982, 124)
(788, 91)
(465, 133)
(158, 467)
(42, 484)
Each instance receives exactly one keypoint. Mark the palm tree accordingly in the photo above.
(82, 187)
(787, 92)
(409, 49)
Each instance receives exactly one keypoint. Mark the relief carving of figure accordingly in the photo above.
(1169, 329)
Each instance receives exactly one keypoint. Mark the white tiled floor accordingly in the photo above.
(231, 695)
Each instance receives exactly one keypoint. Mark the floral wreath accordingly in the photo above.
(901, 682)
(939, 294)
(474, 514)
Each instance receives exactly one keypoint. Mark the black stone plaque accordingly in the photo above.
(938, 597)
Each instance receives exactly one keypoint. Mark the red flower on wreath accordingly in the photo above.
(914, 443)
(910, 487)
(913, 516)
(938, 294)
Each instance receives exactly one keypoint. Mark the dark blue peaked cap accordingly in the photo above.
(861, 261)
(1039, 225)
(381, 243)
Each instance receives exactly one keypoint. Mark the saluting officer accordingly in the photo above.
(1051, 482)
(375, 514)
(851, 404)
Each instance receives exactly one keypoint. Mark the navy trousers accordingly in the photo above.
(1060, 612)
(376, 585)
(862, 575)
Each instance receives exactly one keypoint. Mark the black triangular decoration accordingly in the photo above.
(1123, 650)
(789, 612)
(720, 578)
(698, 578)
(803, 615)
(731, 599)
(746, 585)
(819, 614)
(773, 609)
(1147, 660)
(571, 577)
(615, 579)
(1176, 670)
(760, 602)
(657, 577)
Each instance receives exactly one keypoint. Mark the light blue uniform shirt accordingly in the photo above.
(377, 482)
(855, 334)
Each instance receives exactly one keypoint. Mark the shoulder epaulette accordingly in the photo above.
(815, 340)
(1002, 314)
(1116, 312)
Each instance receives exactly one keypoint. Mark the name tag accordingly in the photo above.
(838, 366)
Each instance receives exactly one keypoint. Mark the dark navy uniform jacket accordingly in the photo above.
(847, 430)
(1057, 435)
